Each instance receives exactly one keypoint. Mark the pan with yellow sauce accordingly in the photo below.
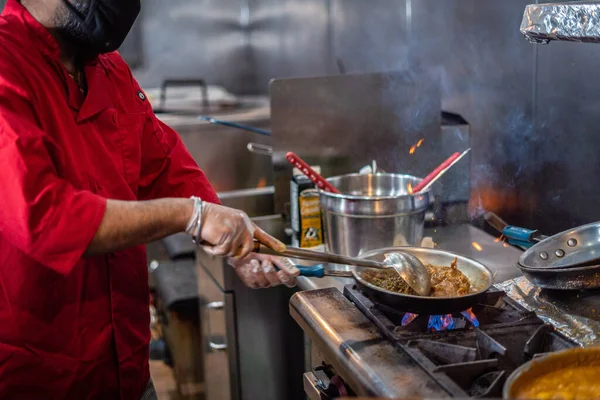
(572, 374)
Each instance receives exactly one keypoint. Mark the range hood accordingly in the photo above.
(575, 21)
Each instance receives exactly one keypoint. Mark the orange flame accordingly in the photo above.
(409, 188)
(477, 246)
(408, 318)
(414, 148)
(498, 239)
(262, 182)
(470, 315)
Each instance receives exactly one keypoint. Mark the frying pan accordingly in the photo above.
(575, 247)
(547, 364)
(575, 278)
(581, 247)
(480, 277)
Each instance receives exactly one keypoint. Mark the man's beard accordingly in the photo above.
(71, 33)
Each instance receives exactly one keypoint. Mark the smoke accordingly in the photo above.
(504, 163)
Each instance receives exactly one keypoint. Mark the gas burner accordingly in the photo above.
(448, 322)
(496, 309)
(470, 352)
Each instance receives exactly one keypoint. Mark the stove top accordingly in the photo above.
(469, 353)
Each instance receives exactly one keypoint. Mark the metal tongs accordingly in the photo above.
(409, 267)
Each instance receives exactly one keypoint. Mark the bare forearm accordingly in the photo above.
(131, 223)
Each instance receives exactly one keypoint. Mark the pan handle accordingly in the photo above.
(211, 120)
(519, 243)
(516, 236)
(522, 237)
(315, 271)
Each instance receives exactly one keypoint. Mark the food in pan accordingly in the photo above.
(445, 281)
(573, 383)
(387, 279)
(566, 375)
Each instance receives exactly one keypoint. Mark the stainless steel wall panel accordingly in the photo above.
(487, 77)
(288, 38)
(196, 38)
(568, 143)
(239, 44)
(370, 36)
(132, 48)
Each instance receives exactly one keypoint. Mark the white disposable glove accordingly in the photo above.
(259, 271)
(229, 232)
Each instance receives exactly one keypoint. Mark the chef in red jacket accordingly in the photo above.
(88, 175)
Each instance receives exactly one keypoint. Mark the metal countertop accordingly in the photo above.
(368, 362)
(457, 239)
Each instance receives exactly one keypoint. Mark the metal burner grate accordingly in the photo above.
(468, 360)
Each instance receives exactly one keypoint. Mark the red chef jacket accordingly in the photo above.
(74, 327)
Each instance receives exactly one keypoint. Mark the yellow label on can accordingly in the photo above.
(311, 234)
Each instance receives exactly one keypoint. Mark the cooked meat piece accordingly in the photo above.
(448, 281)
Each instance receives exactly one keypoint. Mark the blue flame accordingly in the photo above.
(408, 318)
(471, 317)
(441, 322)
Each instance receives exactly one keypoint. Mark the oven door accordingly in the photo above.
(218, 336)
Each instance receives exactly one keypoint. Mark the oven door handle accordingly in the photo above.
(217, 347)
(214, 306)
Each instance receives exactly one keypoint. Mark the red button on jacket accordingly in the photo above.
(73, 327)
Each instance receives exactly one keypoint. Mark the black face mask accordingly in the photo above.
(100, 26)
